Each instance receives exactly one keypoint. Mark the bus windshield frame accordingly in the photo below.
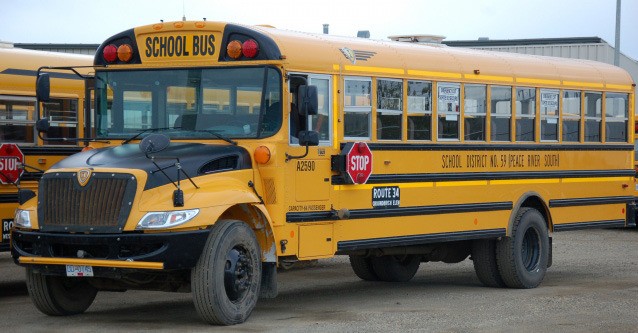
(189, 103)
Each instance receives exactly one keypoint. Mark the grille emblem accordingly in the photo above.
(83, 176)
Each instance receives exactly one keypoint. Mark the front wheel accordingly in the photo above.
(227, 277)
(522, 258)
(59, 295)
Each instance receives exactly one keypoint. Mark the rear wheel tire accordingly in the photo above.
(485, 265)
(396, 268)
(59, 295)
(362, 267)
(522, 258)
(227, 277)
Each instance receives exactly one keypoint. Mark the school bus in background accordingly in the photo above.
(248, 145)
(18, 69)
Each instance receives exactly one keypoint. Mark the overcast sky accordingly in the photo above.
(86, 21)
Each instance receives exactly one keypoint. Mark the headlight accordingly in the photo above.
(22, 218)
(161, 220)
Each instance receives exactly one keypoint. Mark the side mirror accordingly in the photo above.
(43, 87)
(308, 138)
(154, 143)
(42, 125)
(307, 100)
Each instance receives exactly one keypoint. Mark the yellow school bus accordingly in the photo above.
(18, 116)
(243, 146)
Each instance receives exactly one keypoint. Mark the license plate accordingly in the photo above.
(77, 270)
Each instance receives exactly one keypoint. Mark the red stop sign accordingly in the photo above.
(359, 163)
(11, 159)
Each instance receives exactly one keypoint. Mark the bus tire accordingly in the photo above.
(522, 258)
(59, 295)
(396, 268)
(362, 267)
(227, 277)
(485, 266)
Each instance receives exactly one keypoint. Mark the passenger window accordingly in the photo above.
(475, 112)
(448, 107)
(525, 114)
(419, 110)
(593, 116)
(616, 116)
(357, 108)
(571, 116)
(501, 113)
(17, 119)
(549, 115)
(63, 117)
(389, 109)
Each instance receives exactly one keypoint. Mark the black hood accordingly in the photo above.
(196, 160)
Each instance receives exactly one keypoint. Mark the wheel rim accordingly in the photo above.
(530, 250)
(237, 273)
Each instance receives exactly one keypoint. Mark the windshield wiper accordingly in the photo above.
(144, 131)
(219, 136)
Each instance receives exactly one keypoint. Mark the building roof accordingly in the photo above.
(520, 42)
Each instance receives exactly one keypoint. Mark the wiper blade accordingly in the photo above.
(144, 131)
(219, 136)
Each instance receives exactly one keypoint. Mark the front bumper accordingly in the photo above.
(157, 251)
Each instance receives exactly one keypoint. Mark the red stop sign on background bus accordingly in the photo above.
(359, 163)
(11, 159)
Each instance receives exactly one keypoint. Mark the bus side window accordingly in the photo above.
(593, 116)
(419, 110)
(357, 108)
(501, 113)
(616, 117)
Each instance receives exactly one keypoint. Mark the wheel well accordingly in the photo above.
(255, 218)
(531, 200)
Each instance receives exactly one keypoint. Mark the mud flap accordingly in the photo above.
(268, 280)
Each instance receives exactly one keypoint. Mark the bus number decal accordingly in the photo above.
(306, 166)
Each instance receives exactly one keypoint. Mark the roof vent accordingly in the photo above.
(419, 39)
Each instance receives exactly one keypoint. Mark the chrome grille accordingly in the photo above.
(102, 205)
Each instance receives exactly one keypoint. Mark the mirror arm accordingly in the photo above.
(290, 157)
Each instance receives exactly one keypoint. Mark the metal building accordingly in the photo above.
(589, 48)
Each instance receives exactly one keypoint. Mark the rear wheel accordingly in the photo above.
(59, 295)
(396, 268)
(362, 267)
(522, 258)
(484, 260)
(226, 279)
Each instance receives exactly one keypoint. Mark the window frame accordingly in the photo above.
(357, 109)
(457, 113)
(389, 112)
(428, 112)
(519, 115)
(476, 114)
(545, 116)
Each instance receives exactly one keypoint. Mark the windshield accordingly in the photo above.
(189, 103)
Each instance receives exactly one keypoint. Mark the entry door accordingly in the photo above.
(312, 173)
